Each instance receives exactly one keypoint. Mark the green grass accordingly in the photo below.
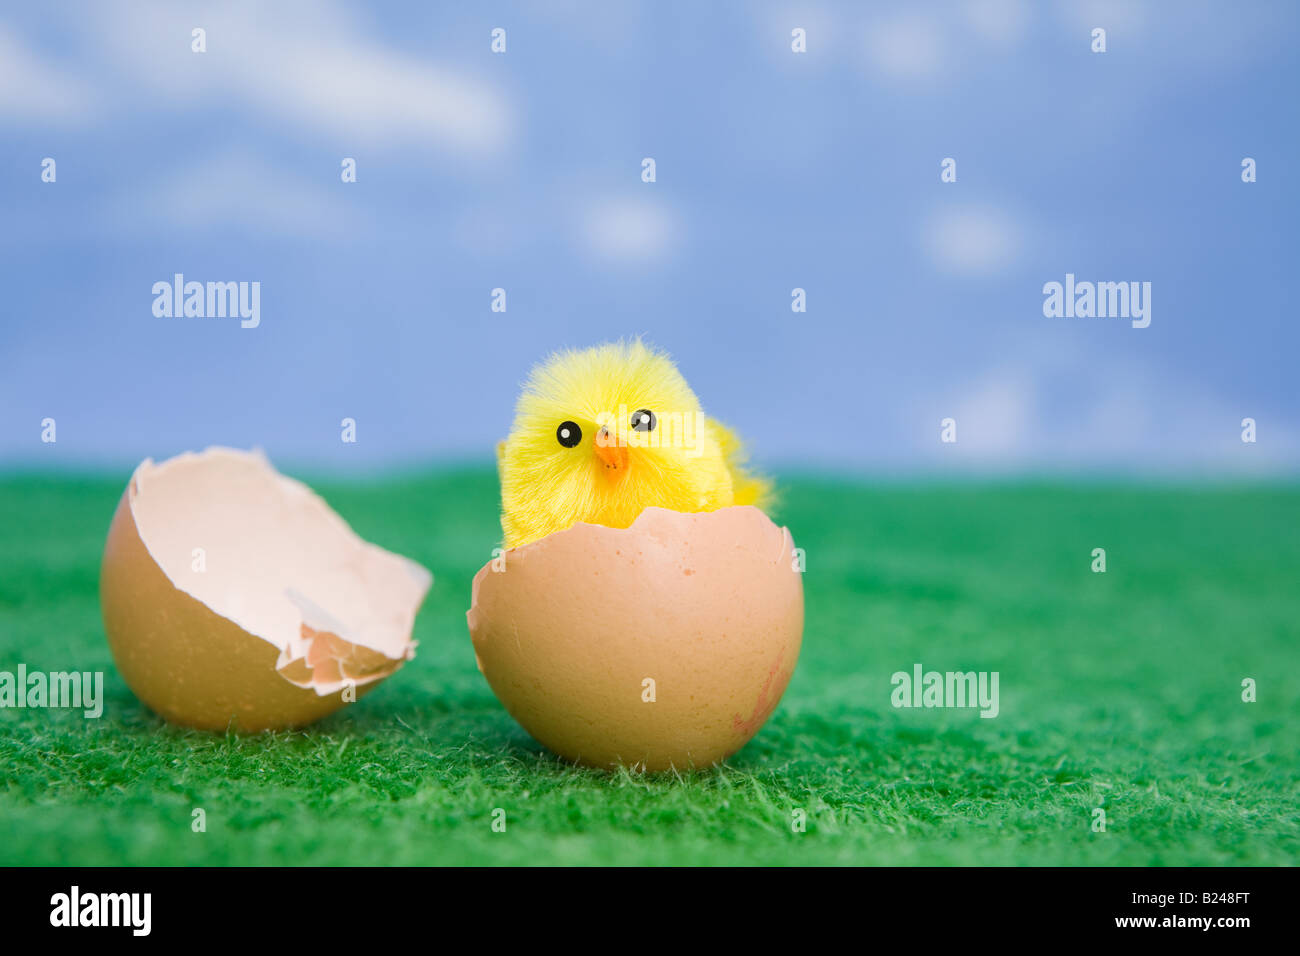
(1120, 690)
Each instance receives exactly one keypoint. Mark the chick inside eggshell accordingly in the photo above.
(664, 645)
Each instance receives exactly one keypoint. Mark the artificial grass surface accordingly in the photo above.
(1120, 690)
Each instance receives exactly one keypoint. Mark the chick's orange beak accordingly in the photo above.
(611, 453)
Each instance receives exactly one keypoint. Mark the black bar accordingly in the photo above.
(316, 907)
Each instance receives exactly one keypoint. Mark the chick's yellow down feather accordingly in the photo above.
(603, 433)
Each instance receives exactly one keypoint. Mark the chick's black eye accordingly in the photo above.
(568, 434)
(644, 420)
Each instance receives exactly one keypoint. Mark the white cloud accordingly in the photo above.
(1118, 16)
(31, 87)
(378, 97)
(628, 230)
(1148, 416)
(996, 419)
(973, 240)
(907, 47)
(1079, 408)
(237, 189)
(1002, 23)
(304, 66)
(822, 31)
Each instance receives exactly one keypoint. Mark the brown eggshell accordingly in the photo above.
(173, 634)
(708, 606)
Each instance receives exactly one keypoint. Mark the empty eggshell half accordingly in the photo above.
(666, 644)
(235, 597)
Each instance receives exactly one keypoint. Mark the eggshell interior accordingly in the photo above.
(234, 596)
(707, 606)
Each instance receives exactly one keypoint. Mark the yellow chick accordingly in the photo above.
(603, 433)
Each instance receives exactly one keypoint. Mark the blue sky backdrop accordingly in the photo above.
(775, 170)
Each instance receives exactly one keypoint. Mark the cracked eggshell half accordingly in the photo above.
(707, 606)
(236, 597)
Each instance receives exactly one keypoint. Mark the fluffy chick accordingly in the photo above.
(603, 433)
